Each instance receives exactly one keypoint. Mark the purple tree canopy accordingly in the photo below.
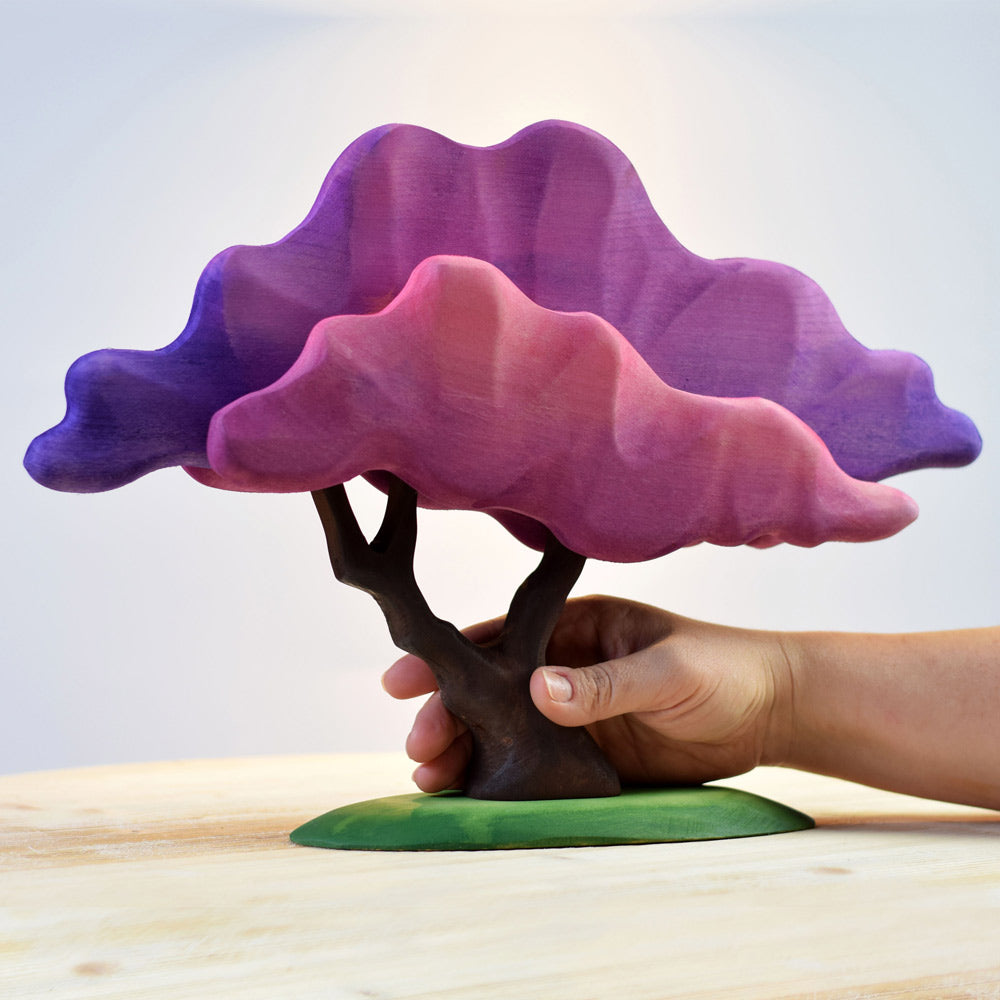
(561, 212)
(483, 400)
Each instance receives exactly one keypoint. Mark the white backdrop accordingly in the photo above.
(856, 142)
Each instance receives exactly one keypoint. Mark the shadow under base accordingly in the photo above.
(450, 821)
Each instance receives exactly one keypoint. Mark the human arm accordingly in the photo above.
(917, 713)
(670, 699)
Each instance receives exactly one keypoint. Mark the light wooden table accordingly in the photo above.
(177, 880)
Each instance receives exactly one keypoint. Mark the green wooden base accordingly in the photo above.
(452, 822)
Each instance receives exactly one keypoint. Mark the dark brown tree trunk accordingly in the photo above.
(517, 752)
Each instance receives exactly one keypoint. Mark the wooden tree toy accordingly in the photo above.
(512, 330)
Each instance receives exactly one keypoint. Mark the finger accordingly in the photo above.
(434, 730)
(408, 677)
(484, 631)
(637, 683)
(448, 769)
(576, 640)
(594, 629)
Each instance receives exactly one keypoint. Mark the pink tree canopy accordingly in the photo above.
(561, 211)
(483, 400)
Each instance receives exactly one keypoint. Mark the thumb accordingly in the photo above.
(578, 697)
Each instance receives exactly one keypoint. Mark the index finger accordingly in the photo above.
(408, 677)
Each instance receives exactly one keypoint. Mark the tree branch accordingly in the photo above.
(517, 752)
(384, 569)
(345, 541)
(539, 601)
(398, 530)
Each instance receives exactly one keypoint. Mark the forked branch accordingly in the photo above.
(384, 568)
(517, 753)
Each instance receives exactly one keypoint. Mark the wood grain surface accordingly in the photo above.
(178, 880)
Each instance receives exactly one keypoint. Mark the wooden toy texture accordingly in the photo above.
(482, 400)
(560, 210)
(448, 822)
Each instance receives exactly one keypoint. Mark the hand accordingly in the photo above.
(668, 699)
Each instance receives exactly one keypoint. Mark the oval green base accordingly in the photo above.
(452, 822)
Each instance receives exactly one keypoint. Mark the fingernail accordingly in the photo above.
(558, 686)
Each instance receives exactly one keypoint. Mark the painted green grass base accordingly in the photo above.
(452, 822)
